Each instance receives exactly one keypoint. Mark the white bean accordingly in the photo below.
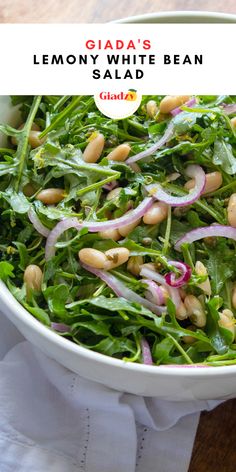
(169, 102)
(172, 177)
(110, 234)
(227, 322)
(94, 149)
(156, 214)
(231, 210)
(201, 270)
(33, 277)
(126, 229)
(120, 153)
(151, 108)
(213, 182)
(134, 265)
(92, 257)
(114, 193)
(51, 196)
(195, 311)
(116, 257)
(181, 312)
(34, 133)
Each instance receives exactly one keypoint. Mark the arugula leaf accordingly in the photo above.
(6, 270)
(38, 313)
(201, 135)
(57, 297)
(218, 270)
(100, 329)
(23, 254)
(215, 333)
(223, 156)
(18, 201)
(117, 304)
(184, 121)
(114, 346)
(162, 350)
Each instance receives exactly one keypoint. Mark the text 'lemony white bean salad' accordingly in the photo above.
(120, 235)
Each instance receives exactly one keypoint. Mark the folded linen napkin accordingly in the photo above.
(53, 420)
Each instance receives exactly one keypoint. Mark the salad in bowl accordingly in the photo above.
(120, 235)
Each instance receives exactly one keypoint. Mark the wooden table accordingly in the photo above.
(214, 448)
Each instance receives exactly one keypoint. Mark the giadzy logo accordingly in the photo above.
(130, 95)
(118, 105)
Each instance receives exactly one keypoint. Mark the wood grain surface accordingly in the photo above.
(214, 449)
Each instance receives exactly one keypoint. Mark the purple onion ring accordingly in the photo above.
(185, 270)
(154, 292)
(94, 226)
(121, 290)
(193, 171)
(149, 151)
(146, 352)
(37, 223)
(189, 104)
(60, 327)
(206, 232)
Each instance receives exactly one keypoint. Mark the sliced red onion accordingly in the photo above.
(189, 104)
(185, 270)
(37, 223)
(94, 226)
(149, 151)
(174, 296)
(110, 185)
(206, 232)
(229, 108)
(60, 327)
(193, 171)
(146, 352)
(151, 274)
(173, 292)
(121, 290)
(153, 293)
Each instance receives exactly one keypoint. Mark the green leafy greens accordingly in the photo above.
(73, 297)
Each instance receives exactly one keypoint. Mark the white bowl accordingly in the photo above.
(171, 383)
(181, 17)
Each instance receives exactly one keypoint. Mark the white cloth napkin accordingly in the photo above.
(53, 420)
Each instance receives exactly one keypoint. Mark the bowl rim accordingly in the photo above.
(163, 370)
(178, 14)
